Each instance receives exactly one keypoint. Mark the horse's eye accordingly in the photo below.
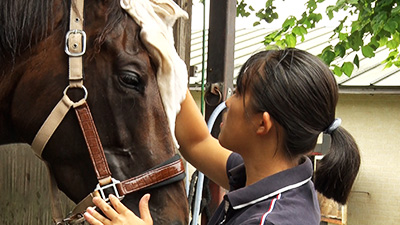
(131, 80)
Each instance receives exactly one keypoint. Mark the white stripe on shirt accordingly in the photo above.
(287, 188)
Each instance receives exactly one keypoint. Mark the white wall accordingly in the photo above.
(374, 121)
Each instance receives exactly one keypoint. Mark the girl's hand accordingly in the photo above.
(120, 214)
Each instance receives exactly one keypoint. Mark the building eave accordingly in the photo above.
(371, 90)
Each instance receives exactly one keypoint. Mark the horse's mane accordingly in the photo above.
(24, 23)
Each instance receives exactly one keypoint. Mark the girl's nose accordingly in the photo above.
(228, 102)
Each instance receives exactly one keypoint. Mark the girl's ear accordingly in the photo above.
(265, 124)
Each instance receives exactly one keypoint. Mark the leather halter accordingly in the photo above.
(170, 171)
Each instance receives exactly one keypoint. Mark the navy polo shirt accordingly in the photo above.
(287, 197)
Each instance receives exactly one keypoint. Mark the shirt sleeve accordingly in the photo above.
(236, 171)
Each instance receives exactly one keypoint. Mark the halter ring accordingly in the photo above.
(84, 97)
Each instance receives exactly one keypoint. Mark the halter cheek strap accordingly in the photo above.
(75, 47)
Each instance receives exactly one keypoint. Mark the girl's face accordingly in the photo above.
(237, 125)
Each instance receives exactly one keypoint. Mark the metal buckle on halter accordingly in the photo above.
(112, 185)
(83, 42)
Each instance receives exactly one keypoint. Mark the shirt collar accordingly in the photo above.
(272, 185)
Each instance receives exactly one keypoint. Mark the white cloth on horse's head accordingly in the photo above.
(156, 18)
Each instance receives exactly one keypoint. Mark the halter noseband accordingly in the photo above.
(170, 171)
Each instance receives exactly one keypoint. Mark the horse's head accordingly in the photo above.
(123, 95)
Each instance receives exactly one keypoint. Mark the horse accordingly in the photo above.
(125, 102)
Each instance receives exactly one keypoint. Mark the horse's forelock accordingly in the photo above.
(23, 23)
(114, 16)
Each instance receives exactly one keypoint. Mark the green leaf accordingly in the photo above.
(367, 51)
(312, 5)
(327, 48)
(395, 10)
(307, 23)
(281, 43)
(268, 3)
(379, 21)
(373, 43)
(392, 56)
(338, 28)
(343, 36)
(355, 40)
(340, 50)
(278, 37)
(340, 3)
(355, 26)
(388, 64)
(356, 61)
(297, 31)
(397, 63)
(347, 68)
(315, 17)
(390, 26)
(303, 30)
(329, 11)
(382, 4)
(396, 37)
(300, 31)
(327, 56)
(383, 41)
(337, 70)
(291, 40)
(289, 22)
(394, 53)
(392, 44)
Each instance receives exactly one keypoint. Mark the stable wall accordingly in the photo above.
(24, 188)
(374, 121)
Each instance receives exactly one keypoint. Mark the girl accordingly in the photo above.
(283, 100)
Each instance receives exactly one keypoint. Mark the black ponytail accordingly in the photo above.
(338, 169)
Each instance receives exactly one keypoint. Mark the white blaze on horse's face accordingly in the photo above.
(156, 18)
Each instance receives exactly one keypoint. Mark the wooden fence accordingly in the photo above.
(24, 188)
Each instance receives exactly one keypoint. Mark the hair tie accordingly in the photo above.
(334, 125)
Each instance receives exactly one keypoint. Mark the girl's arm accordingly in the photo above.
(197, 145)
